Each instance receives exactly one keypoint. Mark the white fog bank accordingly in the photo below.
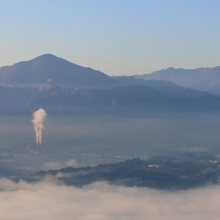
(100, 201)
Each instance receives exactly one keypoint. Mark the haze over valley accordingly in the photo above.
(124, 137)
(94, 131)
(109, 110)
(109, 121)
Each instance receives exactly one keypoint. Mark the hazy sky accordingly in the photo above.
(118, 37)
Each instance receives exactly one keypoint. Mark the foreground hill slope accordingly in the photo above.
(178, 172)
(51, 70)
(204, 79)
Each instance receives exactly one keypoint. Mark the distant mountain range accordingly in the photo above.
(51, 70)
(124, 100)
(204, 79)
(59, 86)
(167, 88)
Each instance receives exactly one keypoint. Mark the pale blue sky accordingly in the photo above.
(118, 37)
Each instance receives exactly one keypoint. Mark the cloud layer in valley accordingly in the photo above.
(100, 201)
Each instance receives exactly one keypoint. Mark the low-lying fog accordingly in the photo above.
(113, 135)
(69, 141)
(100, 201)
(90, 141)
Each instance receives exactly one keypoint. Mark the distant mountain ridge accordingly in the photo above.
(166, 88)
(60, 86)
(133, 100)
(203, 79)
(51, 70)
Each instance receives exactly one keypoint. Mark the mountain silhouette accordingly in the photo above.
(51, 70)
(204, 79)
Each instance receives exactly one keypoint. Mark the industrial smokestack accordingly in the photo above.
(38, 118)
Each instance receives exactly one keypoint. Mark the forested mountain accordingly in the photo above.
(178, 172)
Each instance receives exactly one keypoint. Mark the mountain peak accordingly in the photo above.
(46, 56)
(60, 72)
(170, 68)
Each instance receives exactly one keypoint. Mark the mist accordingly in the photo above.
(101, 201)
(97, 140)
(108, 135)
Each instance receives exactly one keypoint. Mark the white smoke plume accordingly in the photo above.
(38, 119)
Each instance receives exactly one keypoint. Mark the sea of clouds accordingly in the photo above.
(100, 201)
